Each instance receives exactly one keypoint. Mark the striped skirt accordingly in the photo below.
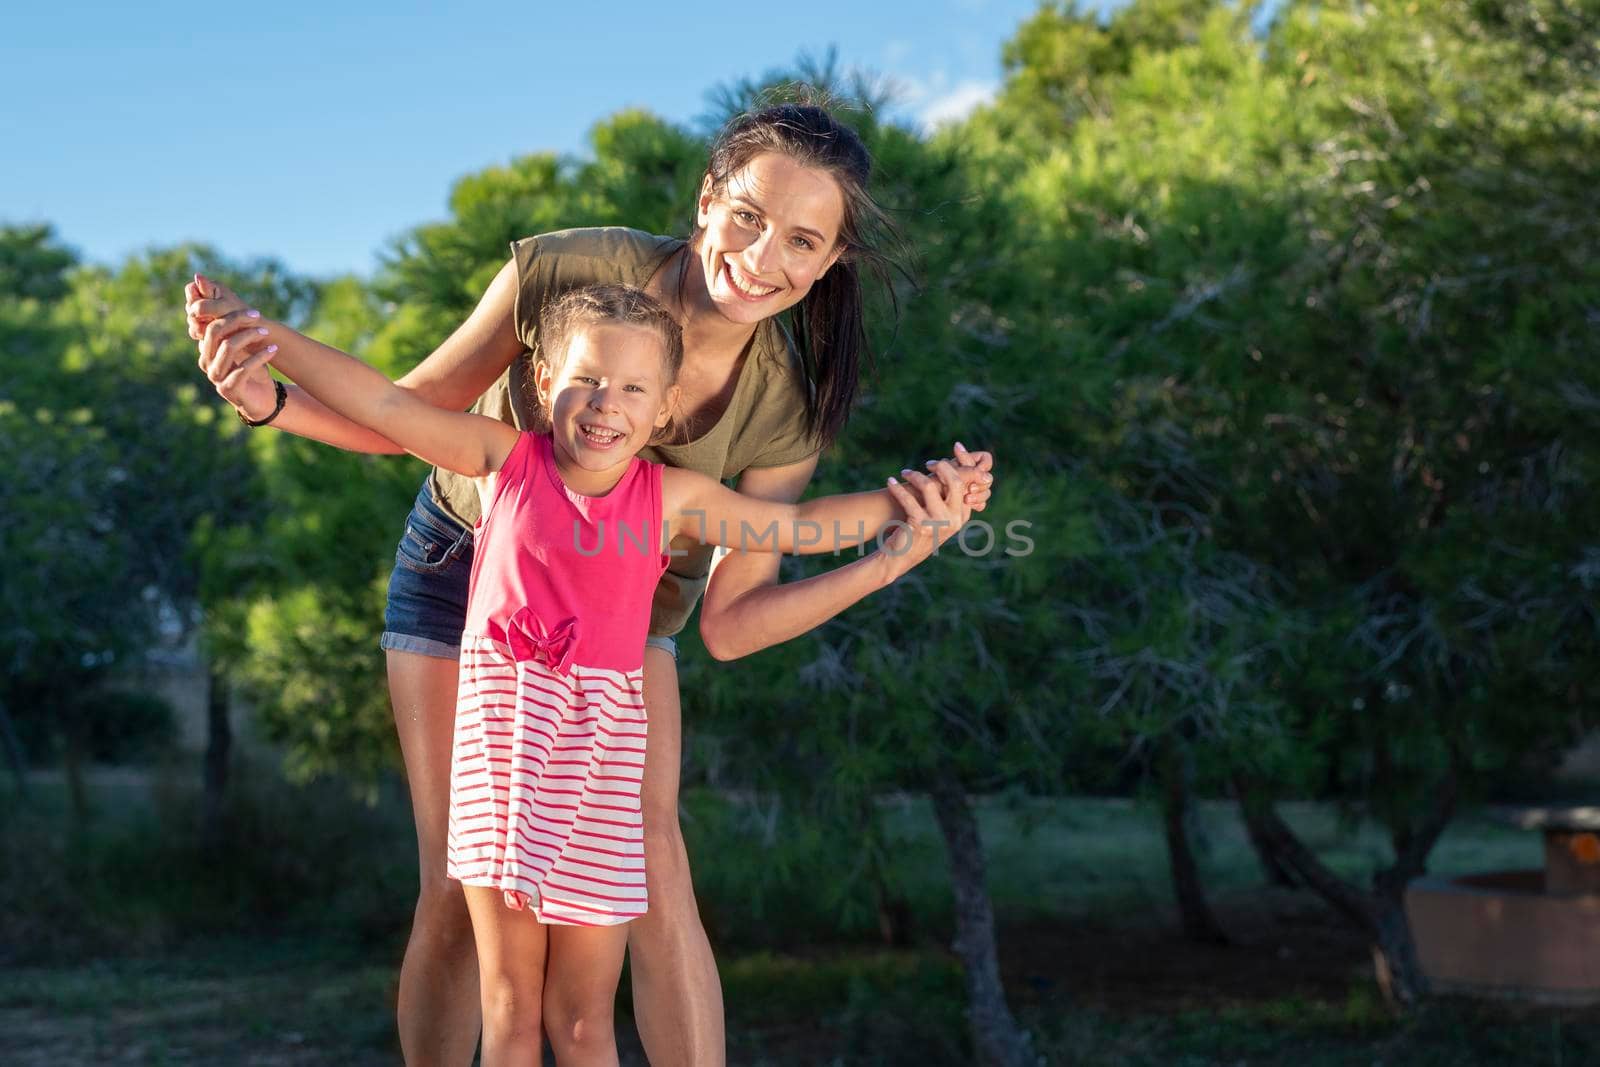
(545, 777)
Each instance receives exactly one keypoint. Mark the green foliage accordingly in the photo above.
(116, 456)
(140, 879)
(32, 265)
(1325, 295)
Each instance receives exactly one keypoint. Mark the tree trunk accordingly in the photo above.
(1394, 951)
(8, 737)
(1272, 869)
(1176, 770)
(77, 788)
(219, 747)
(1381, 911)
(996, 1037)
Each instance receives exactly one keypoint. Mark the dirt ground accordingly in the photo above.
(1286, 953)
(1282, 945)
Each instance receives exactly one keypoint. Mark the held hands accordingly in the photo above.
(936, 507)
(234, 344)
(978, 488)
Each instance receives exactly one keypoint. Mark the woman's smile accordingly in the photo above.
(744, 285)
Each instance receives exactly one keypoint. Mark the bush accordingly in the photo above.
(140, 877)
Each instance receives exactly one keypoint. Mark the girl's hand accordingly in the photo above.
(204, 300)
(978, 488)
(228, 347)
(935, 509)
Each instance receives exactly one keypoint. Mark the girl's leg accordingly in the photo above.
(438, 1002)
(677, 993)
(511, 961)
(580, 993)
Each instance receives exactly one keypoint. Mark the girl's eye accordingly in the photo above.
(744, 216)
(636, 388)
(584, 380)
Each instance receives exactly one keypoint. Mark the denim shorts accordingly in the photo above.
(427, 605)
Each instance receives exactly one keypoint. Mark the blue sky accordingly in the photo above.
(315, 132)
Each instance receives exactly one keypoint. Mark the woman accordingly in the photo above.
(783, 222)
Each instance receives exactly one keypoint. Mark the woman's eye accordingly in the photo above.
(744, 216)
(802, 243)
(584, 380)
(635, 389)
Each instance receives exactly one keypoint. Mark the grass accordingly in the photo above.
(245, 1002)
(125, 941)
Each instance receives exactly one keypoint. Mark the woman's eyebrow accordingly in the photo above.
(750, 201)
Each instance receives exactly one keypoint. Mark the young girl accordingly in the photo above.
(545, 828)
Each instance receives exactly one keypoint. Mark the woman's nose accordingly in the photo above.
(761, 253)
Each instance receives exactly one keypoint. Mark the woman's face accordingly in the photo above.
(767, 236)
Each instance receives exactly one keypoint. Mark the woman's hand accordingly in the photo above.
(227, 347)
(935, 509)
(218, 320)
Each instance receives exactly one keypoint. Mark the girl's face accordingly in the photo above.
(768, 236)
(609, 397)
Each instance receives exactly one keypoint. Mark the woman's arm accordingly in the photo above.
(468, 444)
(451, 377)
(746, 609)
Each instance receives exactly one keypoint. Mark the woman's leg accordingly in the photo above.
(580, 993)
(512, 949)
(438, 1003)
(677, 993)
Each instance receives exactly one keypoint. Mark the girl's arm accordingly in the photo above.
(747, 609)
(709, 511)
(468, 444)
(452, 377)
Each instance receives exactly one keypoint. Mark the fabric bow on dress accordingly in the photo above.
(531, 641)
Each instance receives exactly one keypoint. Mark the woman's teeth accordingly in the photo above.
(748, 286)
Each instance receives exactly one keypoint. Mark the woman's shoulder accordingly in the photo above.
(615, 248)
(554, 263)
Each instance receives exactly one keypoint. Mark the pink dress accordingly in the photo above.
(550, 723)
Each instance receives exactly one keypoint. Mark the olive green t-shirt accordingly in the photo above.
(764, 425)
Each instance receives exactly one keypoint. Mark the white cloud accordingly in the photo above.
(954, 104)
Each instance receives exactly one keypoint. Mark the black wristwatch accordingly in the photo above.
(283, 397)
